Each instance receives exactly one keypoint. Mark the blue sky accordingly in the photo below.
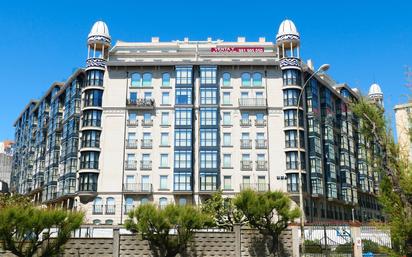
(43, 42)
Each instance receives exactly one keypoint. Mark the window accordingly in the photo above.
(165, 98)
(147, 117)
(147, 95)
(182, 182)
(291, 77)
(226, 79)
(183, 96)
(88, 181)
(291, 139)
(164, 139)
(97, 222)
(183, 159)
(95, 77)
(245, 79)
(183, 138)
(89, 160)
(182, 201)
(227, 139)
(147, 79)
(98, 205)
(317, 186)
(164, 160)
(227, 160)
(183, 117)
(183, 75)
(208, 182)
(165, 79)
(315, 166)
(208, 137)
(227, 118)
(226, 98)
(208, 116)
(164, 119)
(110, 205)
(207, 75)
(227, 182)
(244, 95)
(136, 80)
(292, 182)
(259, 94)
(257, 79)
(208, 95)
(162, 202)
(208, 159)
(132, 116)
(163, 182)
(144, 200)
(93, 98)
(292, 160)
(91, 138)
(290, 97)
(246, 181)
(290, 117)
(260, 117)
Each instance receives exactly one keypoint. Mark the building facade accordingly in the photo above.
(403, 124)
(174, 122)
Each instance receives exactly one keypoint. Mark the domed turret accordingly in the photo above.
(375, 94)
(98, 43)
(288, 45)
(99, 29)
(287, 29)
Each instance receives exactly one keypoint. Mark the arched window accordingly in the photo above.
(98, 206)
(226, 79)
(166, 79)
(245, 79)
(110, 205)
(147, 79)
(136, 80)
(108, 222)
(129, 205)
(97, 222)
(257, 79)
(162, 202)
(144, 200)
(182, 201)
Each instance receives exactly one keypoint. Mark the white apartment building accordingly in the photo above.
(174, 122)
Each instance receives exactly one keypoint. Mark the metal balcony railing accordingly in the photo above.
(110, 209)
(260, 187)
(146, 143)
(138, 187)
(246, 165)
(130, 165)
(245, 143)
(97, 209)
(252, 103)
(261, 144)
(147, 122)
(131, 143)
(143, 103)
(260, 123)
(245, 122)
(261, 165)
(145, 165)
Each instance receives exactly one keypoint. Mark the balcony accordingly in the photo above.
(97, 209)
(141, 103)
(259, 187)
(132, 123)
(245, 122)
(147, 123)
(131, 144)
(130, 165)
(145, 165)
(110, 209)
(252, 103)
(260, 123)
(261, 144)
(146, 143)
(128, 208)
(138, 188)
(245, 143)
(245, 165)
(261, 165)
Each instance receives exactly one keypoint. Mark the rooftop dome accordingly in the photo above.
(99, 29)
(287, 27)
(375, 89)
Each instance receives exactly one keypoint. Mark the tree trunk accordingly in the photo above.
(408, 246)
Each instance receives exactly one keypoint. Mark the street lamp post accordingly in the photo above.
(323, 67)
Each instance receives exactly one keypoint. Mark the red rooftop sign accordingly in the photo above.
(237, 49)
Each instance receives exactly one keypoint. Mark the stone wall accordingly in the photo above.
(239, 243)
